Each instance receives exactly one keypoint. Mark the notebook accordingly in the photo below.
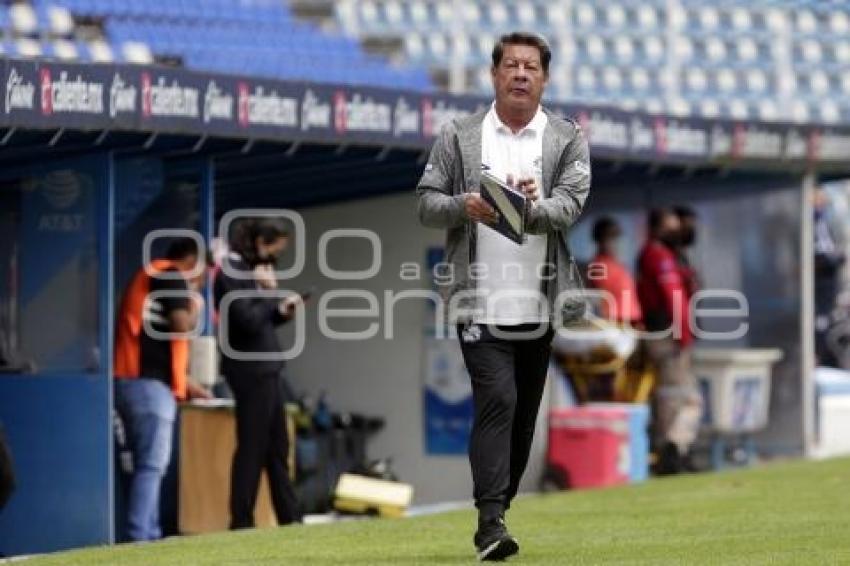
(509, 205)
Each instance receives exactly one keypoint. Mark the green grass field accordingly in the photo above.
(790, 513)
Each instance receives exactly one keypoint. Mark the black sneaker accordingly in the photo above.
(669, 460)
(493, 542)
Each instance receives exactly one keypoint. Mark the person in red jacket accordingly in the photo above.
(687, 240)
(664, 296)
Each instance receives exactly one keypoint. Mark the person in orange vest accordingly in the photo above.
(607, 273)
(151, 372)
(664, 298)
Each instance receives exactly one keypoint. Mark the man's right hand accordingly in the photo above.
(479, 210)
(264, 275)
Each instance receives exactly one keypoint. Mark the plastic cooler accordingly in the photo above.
(832, 388)
(599, 444)
(735, 385)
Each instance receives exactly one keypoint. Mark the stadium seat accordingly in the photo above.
(368, 12)
(767, 110)
(560, 79)
(839, 23)
(445, 13)
(585, 16)
(629, 104)
(64, 50)
(654, 106)
(738, 109)
(136, 52)
(639, 78)
(60, 21)
(787, 83)
(841, 52)
(27, 47)
(485, 47)
(565, 50)
(807, 23)
(413, 45)
(526, 13)
(709, 108)
(558, 15)
(747, 49)
(757, 81)
(484, 80)
(741, 19)
(679, 107)
(461, 46)
(726, 80)
(498, 14)
(678, 18)
(23, 19)
(684, 49)
(811, 51)
(393, 13)
(100, 52)
(800, 111)
(624, 48)
(419, 13)
(612, 79)
(586, 79)
(471, 13)
(709, 18)
(776, 20)
(438, 45)
(829, 112)
(715, 48)
(615, 16)
(653, 48)
(595, 48)
(818, 82)
(697, 80)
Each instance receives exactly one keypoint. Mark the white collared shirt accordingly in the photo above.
(512, 270)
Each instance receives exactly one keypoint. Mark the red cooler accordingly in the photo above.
(589, 445)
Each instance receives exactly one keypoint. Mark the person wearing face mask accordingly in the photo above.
(607, 273)
(663, 295)
(250, 325)
(687, 240)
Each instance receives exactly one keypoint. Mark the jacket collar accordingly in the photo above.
(469, 140)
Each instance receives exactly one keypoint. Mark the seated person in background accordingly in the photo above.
(151, 372)
(606, 273)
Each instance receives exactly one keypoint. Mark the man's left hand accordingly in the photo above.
(528, 187)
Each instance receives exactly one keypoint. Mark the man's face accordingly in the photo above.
(611, 243)
(688, 231)
(670, 230)
(187, 264)
(518, 80)
(269, 252)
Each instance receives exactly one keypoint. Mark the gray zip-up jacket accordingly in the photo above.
(454, 169)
